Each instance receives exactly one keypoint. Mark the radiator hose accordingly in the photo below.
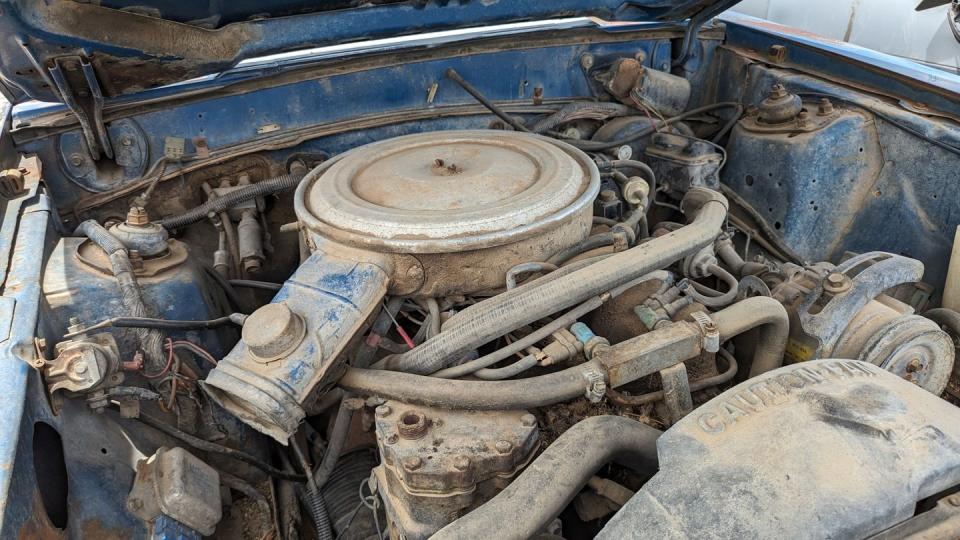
(548, 484)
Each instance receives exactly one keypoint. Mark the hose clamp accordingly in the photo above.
(596, 385)
(709, 330)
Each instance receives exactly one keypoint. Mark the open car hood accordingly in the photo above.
(120, 47)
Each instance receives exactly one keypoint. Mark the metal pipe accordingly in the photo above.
(548, 484)
(498, 315)
(764, 313)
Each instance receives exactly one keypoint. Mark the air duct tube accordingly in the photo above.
(291, 345)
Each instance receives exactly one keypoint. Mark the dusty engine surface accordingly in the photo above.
(557, 328)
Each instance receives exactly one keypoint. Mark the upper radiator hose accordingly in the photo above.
(498, 315)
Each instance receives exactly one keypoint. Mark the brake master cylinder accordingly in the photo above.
(425, 215)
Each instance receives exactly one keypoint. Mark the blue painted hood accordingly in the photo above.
(128, 45)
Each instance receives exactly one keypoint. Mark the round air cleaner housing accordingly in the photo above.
(453, 209)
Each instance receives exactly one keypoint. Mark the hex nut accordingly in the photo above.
(528, 420)
(383, 411)
(392, 438)
(413, 425)
(412, 463)
(272, 331)
(461, 463)
(503, 446)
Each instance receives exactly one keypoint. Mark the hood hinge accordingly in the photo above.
(83, 96)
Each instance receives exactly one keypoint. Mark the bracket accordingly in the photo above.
(83, 96)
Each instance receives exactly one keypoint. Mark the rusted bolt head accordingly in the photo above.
(528, 420)
(835, 282)
(412, 425)
(777, 91)
(777, 53)
(608, 195)
(913, 365)
(392, 438)
(383, 411)
(586, 61)
(126, 141)
(137, 216)
(76, 160)
(461, 463)
(503, 446)
(412, 463)
(825, 108)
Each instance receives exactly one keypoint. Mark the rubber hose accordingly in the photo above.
(588, 244)
(580, 110)
(733, 288)
(151, 341)
(770, 317)
(525, 393)
(506, 372)
(551, 482)
(225, 202)
(500, 314)
(312, 497)
(527, 267)
(338, 438)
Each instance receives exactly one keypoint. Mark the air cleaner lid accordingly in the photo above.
(447, 191)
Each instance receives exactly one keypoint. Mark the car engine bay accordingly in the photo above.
(570, 293)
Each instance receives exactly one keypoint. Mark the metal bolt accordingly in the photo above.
(413, 425)
(825, 108)
(126, 141)
(586, 61)
(503, 446)
(835, 278)
(412, 463)
(137, 215)
(135, 504)
(383, 411)
(80, 368)
(608, 195)
(392, 438)
(777, 53)
(777, 91)
(802, 118)
(528, 420)
(461, 463)
(914, 365)
(76, 160)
